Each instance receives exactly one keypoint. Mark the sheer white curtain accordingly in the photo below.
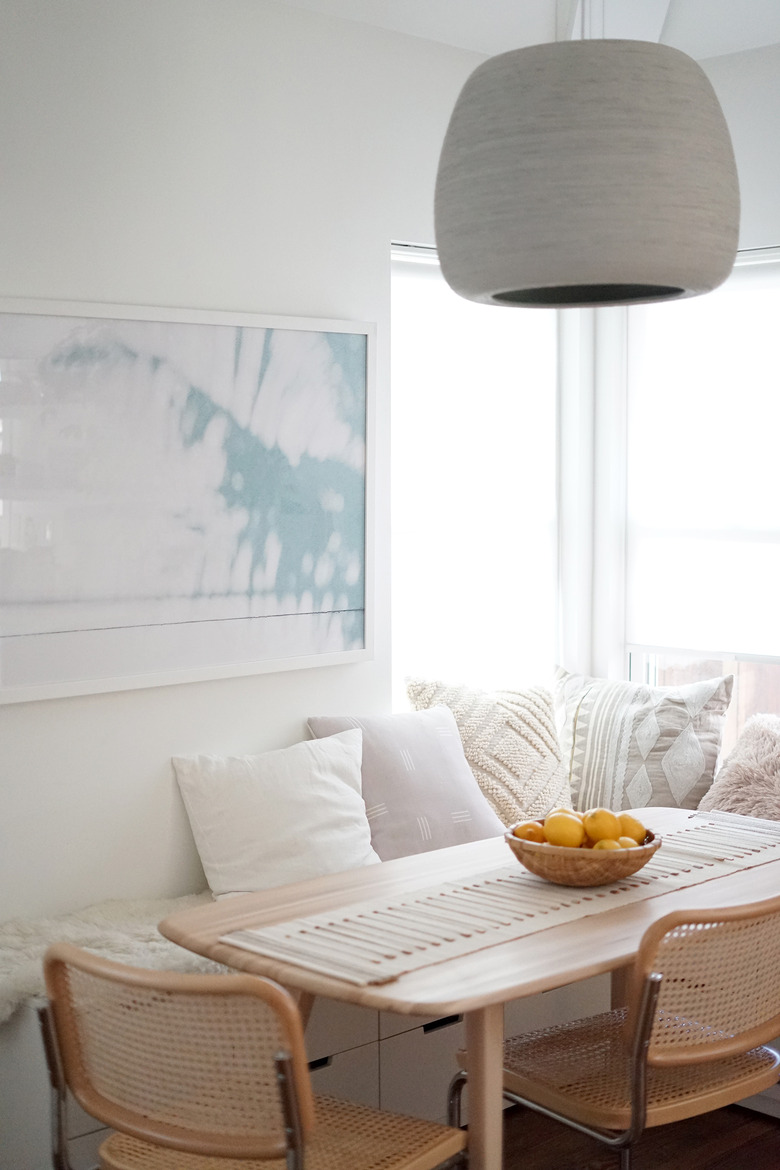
(473, 491)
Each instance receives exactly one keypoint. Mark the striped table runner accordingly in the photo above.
(377, 940)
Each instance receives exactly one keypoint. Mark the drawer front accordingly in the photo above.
(79, 1122)
(353, 1075)
(83, 1151)
(335, 1027)
(587, 998)
(416, 1067)
(393, 1023)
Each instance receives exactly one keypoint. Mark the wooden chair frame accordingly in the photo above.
(59, 1100)
(616, 1141)
(181, 1073)
(641, 1020)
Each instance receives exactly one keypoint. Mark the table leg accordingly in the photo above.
(305, 1001)
(619, 985)
(484, 1040)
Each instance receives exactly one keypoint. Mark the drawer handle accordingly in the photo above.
(444, 1022)
(323, 1062)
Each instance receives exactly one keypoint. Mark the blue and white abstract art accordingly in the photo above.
(179, 497)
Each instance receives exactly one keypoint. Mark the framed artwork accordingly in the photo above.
(183, 496)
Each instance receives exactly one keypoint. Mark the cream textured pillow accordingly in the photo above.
(749, 781)
(510, 742)
(267, 820)
(419, 791)
(628, 745)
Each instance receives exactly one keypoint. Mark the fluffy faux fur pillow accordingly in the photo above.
(749, 781)
(510, 742)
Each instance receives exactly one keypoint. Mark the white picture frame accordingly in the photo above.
(184, 495)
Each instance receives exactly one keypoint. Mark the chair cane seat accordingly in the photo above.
(582, 1069)
(345, 1134)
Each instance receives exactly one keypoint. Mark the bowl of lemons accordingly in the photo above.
(589, 848)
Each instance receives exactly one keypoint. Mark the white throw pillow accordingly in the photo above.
(419, 791)
(629, 745)
(280, 817)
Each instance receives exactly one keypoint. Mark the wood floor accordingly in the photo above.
(728, 1139)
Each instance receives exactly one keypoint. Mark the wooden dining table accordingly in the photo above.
(596, 936)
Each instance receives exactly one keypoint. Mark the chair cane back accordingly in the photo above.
(206, 1072)
(704, 998)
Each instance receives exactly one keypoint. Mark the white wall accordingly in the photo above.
(240, 155)
(748, 87)
(221, 154)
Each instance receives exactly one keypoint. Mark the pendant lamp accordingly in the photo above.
(591, 172)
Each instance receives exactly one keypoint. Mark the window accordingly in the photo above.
(473, 484)
(702, 498)
(644, 520)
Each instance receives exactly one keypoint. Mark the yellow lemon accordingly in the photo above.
(631, 827)
(607, 843)
(561, 828)
(601, 823)
(570, 812)
(627, 843)
(530, 831)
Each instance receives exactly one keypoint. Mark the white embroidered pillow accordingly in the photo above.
(419, 791)
(628, 745)
(510, 743)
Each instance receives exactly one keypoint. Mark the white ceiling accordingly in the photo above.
(701, 28)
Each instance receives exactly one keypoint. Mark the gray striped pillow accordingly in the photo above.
(628, 745)
(418, 789)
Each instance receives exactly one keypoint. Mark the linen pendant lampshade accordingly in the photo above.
(592, 172)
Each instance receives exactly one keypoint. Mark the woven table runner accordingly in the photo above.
(377, 940)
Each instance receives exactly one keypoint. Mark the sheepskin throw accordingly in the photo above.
(510, 743)
(125, 931)
(749, 781)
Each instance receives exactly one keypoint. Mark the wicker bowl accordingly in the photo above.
(581, 867)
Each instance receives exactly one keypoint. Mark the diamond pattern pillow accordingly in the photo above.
(419, 791)
(628, 745)
(510, 742)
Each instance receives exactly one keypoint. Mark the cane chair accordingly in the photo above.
(703, 999)
(206, 1072)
